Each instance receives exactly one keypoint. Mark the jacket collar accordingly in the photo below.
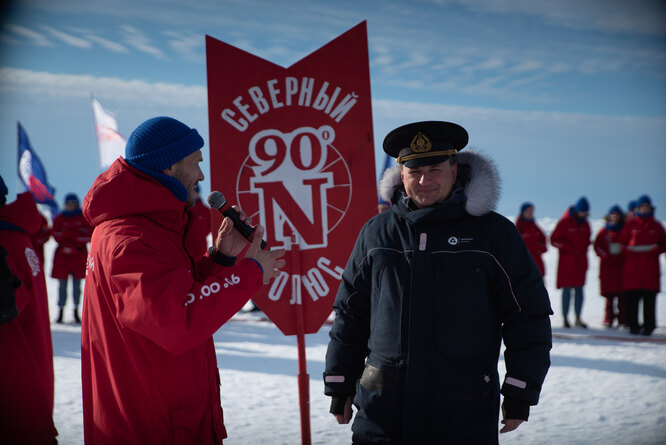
(123, 191)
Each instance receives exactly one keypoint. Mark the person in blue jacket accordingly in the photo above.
(432, 287)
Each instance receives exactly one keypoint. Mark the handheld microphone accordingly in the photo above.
(217, 201)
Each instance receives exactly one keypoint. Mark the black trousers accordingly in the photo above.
(633, 298)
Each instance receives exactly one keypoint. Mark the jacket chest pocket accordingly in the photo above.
(465, 320)
(391, 276)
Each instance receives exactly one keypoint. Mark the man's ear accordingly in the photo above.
(168, 171)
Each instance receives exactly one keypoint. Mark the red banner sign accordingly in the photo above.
(293, 147)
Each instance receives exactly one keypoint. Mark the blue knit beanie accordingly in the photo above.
(525, 206)
(632, 205)
(644, 199)
(3, 191)
(582, 205)
(160, 142)
(615, 209)
(72, 197)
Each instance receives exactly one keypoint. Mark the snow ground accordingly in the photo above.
(599, 389)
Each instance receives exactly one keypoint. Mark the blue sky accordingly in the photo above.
(568, 97)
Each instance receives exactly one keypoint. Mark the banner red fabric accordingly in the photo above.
(293, 147)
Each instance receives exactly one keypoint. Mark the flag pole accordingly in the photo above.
(92, 108)
(303, 376)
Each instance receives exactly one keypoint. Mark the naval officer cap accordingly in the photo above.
(425, 143)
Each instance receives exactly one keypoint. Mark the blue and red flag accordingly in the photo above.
(32, 173)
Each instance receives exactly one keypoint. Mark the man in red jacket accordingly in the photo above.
(572, 237)
(643, 240)
(26, 365)
(149, 369)
(609, 250)
(533, 236)
(72, 232)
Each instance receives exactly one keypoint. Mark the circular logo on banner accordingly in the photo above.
(297, 183)
(453, 240)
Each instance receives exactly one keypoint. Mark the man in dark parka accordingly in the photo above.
(430, 290)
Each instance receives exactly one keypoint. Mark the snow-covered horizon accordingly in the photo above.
(604, 385)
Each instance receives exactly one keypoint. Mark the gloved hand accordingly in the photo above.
(341, 408)
(514, 408)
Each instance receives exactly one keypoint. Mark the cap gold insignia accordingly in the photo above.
(420, 143)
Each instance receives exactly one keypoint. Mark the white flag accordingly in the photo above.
(110, 144)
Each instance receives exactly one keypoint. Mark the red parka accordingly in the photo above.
(149, 369)
(534, 239)
(572, 237)
(72, 233)
(26, 350)
(643, 240)
(611, 261)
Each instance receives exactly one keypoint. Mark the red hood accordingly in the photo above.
(22, 213)
(567, 213)
(123, 191)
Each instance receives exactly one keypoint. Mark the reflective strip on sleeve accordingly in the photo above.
(334, 379)
(515, 382)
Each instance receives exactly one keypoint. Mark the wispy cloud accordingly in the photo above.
(492, 63)
(189, 46)
(577, 127)
(527, 65)
(68, 38)
(59, 86)
(34, 37)
(558, 67)
(278, 54)
(108, 44)
(642, 17)
(140, 41)
(416, 59)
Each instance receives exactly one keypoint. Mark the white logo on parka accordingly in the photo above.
(211, 289)
(454, 240)
(33, 261)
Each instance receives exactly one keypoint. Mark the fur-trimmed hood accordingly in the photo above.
(477, 174)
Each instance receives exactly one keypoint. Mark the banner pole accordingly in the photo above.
(303, 376)
(303, 384)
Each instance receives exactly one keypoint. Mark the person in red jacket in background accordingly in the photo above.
(39, 238)
(198, 226)
(533, 236)
(148, 363)
(643, 239)
(26, 364)
(72, 232)
(572, 237)
(609, 250)
(631, 209)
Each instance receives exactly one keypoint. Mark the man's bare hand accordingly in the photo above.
(269, 259)
(510, 425)
(230, 242)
